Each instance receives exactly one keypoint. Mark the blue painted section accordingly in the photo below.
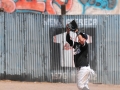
(102, 4)
(28, 11)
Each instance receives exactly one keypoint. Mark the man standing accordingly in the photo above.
(80, 58)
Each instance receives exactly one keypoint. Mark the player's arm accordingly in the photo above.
(80, 36)
(68, 37)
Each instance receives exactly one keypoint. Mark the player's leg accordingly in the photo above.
(83, 75)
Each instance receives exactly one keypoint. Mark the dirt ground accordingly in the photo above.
(15, 85)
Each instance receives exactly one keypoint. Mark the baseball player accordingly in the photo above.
(80, 57)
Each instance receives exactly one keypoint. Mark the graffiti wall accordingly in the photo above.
(73, 7)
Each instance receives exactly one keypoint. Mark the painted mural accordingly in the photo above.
(73, 7)
(102, 4)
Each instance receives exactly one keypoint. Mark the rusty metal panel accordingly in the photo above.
(24, 44)
(14, 46)
(50, 49)
(62, 64)
(34, 47)
(103, 49)
(108, 49)
(2, 56)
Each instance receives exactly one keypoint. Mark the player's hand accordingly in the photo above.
(76, 30)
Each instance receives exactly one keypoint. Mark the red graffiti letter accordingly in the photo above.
(30, 5)
(8, 5)
(49, 7)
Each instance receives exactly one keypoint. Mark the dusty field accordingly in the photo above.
(15, 85)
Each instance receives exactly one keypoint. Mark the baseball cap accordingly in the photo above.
(83, 35)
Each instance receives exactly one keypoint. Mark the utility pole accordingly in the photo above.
(63, 12)
(63, 9)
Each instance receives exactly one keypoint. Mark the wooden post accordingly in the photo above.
(63, 9)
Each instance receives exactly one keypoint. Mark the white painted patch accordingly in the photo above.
(62, 0)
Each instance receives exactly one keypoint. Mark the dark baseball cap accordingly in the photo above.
(83, 35)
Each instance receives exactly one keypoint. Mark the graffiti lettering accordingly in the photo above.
(30, 5)
(102, 4)
(81, 22)
(92, 2)
(85, 21)
(111, 4)
(47, 5)
(51, 10)
(8, 5)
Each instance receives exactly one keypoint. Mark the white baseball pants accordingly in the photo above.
(83, 75)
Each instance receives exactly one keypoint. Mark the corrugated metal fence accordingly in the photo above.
(33, 47)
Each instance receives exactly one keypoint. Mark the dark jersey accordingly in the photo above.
(81, 52)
